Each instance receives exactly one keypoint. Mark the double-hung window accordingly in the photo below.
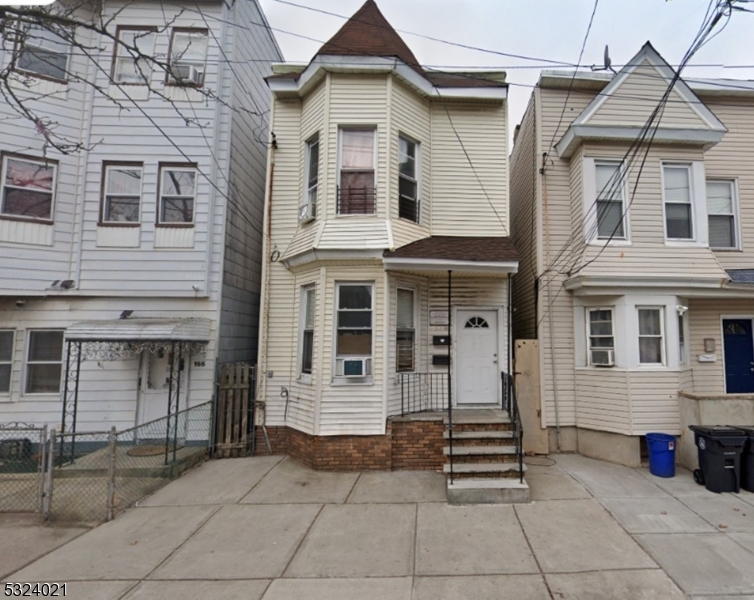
(28, 187)
(353, 344)
(44, 362)
(651, 343)
(6, 359)
(308, 210)
(610, 202)
(308, 306)
(43, 52)
(177, 195)
(188, 57)
(721, 214)
(356, 188)
(677, 195)
(405, 332)
(132, 46)
(601, 337)
(121, 198)
(408, 183)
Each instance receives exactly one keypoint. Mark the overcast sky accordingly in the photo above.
(544, 29)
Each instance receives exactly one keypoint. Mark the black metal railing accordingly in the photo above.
(510, 405)
(357, 200)
(423, 392)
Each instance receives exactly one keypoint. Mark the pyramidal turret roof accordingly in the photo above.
(368, 33)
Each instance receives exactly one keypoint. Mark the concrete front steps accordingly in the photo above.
(485, 465)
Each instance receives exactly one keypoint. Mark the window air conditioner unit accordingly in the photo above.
(306, 212)
(603, 358)
(188, 74)
(355, 367)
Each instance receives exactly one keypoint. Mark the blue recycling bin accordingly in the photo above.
(661, 448)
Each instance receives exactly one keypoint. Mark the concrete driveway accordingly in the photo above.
(270, 529)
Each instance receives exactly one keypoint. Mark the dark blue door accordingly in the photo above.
(739, 356)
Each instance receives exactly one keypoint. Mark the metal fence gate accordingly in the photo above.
(24, 453)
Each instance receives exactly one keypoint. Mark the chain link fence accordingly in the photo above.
(92, 476)
(22, 459)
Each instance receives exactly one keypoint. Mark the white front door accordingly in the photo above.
(477, 370)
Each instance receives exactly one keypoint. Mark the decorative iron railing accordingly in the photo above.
(510, 405)
(357, 200)
(423, 392)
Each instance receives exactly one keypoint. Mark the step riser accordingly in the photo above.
(476, 443)
(488, 475)
(482, 427)
(482, 460)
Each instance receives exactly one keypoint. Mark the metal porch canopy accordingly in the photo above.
(114, 339)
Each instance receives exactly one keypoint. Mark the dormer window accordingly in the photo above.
(356, 189)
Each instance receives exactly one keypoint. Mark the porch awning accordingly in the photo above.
(140, 330)
(493, 255)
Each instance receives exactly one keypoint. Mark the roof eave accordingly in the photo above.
(444, 265)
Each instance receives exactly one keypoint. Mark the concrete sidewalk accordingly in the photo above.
(270, 529)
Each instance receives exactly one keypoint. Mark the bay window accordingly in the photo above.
(408, 183)
(405, 332)
(353, 337)
(306, 345)
(651, 343)
(601, 340)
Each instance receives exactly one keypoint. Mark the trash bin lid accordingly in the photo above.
(748, 430)
(717, 430)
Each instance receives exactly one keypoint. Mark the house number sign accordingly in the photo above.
(438, 317)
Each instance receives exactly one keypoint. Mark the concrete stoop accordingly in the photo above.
(485, 490)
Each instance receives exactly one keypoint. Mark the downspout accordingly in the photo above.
(509, 332)
(549, 305)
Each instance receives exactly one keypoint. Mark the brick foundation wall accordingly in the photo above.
(407, 444)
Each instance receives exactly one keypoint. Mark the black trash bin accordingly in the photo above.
(720, 450)
(747, 460)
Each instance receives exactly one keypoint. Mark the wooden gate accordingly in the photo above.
(235, 410)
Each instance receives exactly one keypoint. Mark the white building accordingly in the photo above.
(160, 215)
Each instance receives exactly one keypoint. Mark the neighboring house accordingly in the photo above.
(385, 178)
(145, 245)
(636, 267)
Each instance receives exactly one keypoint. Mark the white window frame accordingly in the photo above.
(624, 212)
(414, 329)
(52, 192)
(692, 208)
(735, 214)
(341, 129)
(416, 179)
(9, 362)
(28, 362)
(305, 291)
(589, 192)
(663, 337)
(589, 336)
(341, 379)
(160, 221)
(308, 189)
(106, 194)
(174, 62)
(121, 53)
(19, 48)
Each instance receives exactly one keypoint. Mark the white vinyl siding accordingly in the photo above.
(677, 198)
(722, 214)
(610, 201)
(405, 331)
(651, 336)
(44, 362)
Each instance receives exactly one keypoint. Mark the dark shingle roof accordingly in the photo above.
(445, 79)
(444, 247)
(368, 33)
(741, 275)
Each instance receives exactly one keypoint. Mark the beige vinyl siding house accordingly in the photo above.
(632, 305)
(371, 225)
